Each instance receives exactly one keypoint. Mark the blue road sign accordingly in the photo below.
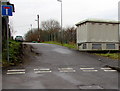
(7, 10)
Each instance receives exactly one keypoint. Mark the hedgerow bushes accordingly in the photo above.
(15, 52)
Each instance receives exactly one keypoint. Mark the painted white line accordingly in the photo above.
(43, 71)
(90, 70)
(16, 70)
(105, 68)
(36, 69)
(86, 68)
(109, 70)
(12, 73)
(67, 70)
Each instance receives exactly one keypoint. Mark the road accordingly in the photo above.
(55, 67)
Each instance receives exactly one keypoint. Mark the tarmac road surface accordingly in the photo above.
(49, 66)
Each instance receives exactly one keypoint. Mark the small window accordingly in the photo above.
(110, 46)
(96, 46)
(79, 44)
(84, 46)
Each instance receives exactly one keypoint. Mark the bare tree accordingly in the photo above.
(51, 32)
(53, 27)
(70, 35)
(50, 25)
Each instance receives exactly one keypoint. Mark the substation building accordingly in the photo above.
(93, 34)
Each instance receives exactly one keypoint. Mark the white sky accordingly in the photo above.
(73, 11)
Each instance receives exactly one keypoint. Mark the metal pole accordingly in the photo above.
(0, 45)
(7, 39)
(0, 32)
(61, 25)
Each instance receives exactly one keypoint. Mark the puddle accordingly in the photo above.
(62, 51)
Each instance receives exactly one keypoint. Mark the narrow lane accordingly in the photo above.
(57, 67)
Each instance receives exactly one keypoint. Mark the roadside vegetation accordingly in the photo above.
(51, 31)
(14, 54)
(109, 55)
(69, 45)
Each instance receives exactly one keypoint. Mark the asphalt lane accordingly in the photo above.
(56, 67)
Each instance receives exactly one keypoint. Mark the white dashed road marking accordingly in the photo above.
(16, 71)
(105, 68)
(42, 70)
(66, 70)
(90, 70)
(86, 68)
(108, 70)
(13, 73)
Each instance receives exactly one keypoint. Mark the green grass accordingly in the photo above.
(70, 45)
(110, 55)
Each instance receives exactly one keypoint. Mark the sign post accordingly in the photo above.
(0, 45)
(7, 11)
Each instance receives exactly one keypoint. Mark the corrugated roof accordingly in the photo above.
(97, 21)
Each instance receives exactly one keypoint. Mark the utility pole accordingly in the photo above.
(38, 27)
(38, 21)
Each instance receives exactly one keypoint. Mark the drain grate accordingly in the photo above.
(90, 87)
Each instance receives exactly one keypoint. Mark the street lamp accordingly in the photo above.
(61, 22)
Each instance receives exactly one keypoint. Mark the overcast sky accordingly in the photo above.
(74, 11)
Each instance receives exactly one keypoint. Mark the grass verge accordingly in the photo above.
(70, 45)
(109, 55)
